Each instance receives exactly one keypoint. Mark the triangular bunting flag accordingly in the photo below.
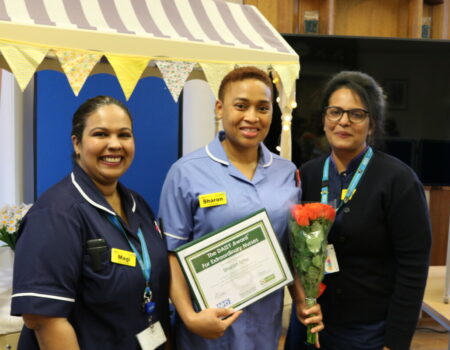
(288, 74)
(214, 73)
(128, 71)
(23, 61)
(77, 65)
(175, 74)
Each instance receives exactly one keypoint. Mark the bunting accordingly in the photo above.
(131, 33)
(77, 66)
(214, 73)
(175, 74)
(23, 61)
(128, 71)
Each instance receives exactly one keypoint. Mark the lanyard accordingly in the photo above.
(353, 184)
(144, 263)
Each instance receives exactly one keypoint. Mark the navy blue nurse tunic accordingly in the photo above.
(54, 275)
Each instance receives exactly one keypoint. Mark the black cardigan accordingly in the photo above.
(382, 239)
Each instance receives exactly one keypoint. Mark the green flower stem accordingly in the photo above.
(8, 238)
(310, 337)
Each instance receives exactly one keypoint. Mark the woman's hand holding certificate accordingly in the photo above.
(212, 323)
(236, 265)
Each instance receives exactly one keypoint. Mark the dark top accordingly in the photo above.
(382, 239)
(53, 273)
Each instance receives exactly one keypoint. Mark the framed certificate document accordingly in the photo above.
(235, 265)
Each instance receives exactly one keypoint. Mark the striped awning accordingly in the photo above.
(201, 31)
(175, 39)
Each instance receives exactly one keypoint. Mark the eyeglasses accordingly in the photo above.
(355, 115)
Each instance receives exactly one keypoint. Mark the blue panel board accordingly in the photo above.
(155, 121)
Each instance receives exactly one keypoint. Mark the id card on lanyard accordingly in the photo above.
(345, 198)
(153, 336)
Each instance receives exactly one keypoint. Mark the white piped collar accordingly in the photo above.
(93, 202)
(88, 199)
(216, 152)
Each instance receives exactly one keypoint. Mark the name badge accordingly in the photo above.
(331, 263)
(344, 193)
(123, 257)
(212, 199)
(152, 337)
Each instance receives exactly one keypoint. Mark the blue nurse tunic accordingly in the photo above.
(54, 275)
(273, 187)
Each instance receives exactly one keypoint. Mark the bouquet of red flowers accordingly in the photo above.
(309, 225)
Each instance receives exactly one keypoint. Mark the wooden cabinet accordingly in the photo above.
(9, 341)
(440, 19)
(393, 18)
(439, 203)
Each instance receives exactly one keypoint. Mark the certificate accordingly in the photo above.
(235, 265)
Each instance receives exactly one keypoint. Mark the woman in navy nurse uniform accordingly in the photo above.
(381, 234)
(91, 269)
(237, 164)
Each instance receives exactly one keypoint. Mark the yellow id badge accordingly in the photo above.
(344, 193)
(123, 257)
(212, 199)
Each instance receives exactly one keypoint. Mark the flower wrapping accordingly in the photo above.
(10, 219)
(309, 225)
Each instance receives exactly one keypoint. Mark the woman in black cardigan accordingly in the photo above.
(382, 233)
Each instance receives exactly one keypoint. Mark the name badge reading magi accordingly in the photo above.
(123, 257)
(212, 199)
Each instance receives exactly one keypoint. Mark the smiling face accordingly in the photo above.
(343, 136)
(106, 148)
(246, 113)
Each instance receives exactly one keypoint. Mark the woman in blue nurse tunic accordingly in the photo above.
(237, 164)
(91, 268)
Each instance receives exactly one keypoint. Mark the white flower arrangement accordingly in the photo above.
(10, 219)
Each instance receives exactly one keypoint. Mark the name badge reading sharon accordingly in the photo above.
(212, 199)
(123, 257)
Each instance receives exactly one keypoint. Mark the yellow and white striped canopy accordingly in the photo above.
(174, 39)
(206, 32)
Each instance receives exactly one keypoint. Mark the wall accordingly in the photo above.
(198, 115)
(11, 149)
(17, 151)
(155, 125)
(393, 18)
(425, 103)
